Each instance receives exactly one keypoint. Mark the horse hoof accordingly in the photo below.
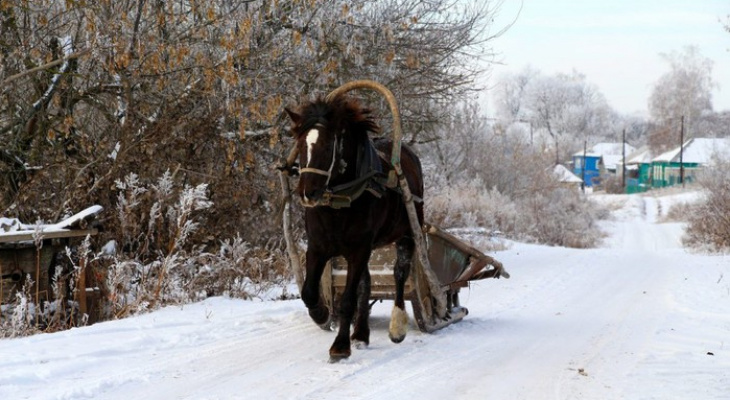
(398, 325)
(359, 344)
(361, 335)
(330, 325)
(337, 356)
(320, 315)
(396, 339)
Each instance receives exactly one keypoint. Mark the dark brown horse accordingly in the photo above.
(349, 212)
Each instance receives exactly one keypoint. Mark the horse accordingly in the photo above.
(349, 211)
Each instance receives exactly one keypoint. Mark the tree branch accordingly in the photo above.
(45, 66)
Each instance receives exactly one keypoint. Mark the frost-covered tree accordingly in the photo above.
(511, 95)
(484, 176)
(684, 91)
(565, 107)
(93, 91)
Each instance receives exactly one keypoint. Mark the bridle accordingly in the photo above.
(322, 172)
(370, 180)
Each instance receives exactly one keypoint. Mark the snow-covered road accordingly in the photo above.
(639, 318)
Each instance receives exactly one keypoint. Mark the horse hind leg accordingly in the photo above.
(399, 317)
(361, 333)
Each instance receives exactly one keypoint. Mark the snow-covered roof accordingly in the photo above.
(11, 229)
(587, 154)
(641, 156)
(610, 161)
(606, 149)
(564, 175)
(698, 150)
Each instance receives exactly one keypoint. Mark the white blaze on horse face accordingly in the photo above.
(311, 139)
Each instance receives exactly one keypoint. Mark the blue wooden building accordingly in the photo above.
(602, 159)
(588, 168)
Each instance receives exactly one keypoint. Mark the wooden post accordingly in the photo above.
(37, 280)
(583, 168)
(2, 292)
(623, 164)
(81, 286)
(681, 152)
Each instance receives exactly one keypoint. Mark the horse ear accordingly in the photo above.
(296, 118)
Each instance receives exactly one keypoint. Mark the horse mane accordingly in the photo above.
(341, 111)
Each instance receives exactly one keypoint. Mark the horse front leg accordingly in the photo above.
(399, 316)
(311, 294)
(361, 333)
(357, 263)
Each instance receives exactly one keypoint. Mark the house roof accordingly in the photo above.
(641, 156)
(697, 150)
(610, 152)
(612, 160)
(611, 149)
(564, 175)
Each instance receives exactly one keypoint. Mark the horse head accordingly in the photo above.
(328, 134)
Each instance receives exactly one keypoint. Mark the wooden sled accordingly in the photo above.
(452, 261)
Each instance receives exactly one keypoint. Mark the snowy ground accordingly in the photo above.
(640, 318)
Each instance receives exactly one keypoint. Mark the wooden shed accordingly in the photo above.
(29, 252)
(566, 178)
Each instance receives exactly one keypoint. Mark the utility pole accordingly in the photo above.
(681, 153)
(583, 168)
(623, 164)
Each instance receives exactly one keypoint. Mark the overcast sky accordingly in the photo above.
(615, 43)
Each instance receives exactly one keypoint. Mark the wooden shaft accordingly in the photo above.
(437, 290)
(293, 153)
(294, 263)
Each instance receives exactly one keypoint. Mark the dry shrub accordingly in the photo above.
(155, 262)
(472, 205)
(553, 215)
(679, 212)
(708, 225)
(613, 185)
(560, 217)
(17, 318)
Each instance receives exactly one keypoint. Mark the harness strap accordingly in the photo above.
(314, 171)
(370, 179)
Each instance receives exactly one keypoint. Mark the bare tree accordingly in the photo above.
(684, 91)
(511, 95)
(565, 107)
